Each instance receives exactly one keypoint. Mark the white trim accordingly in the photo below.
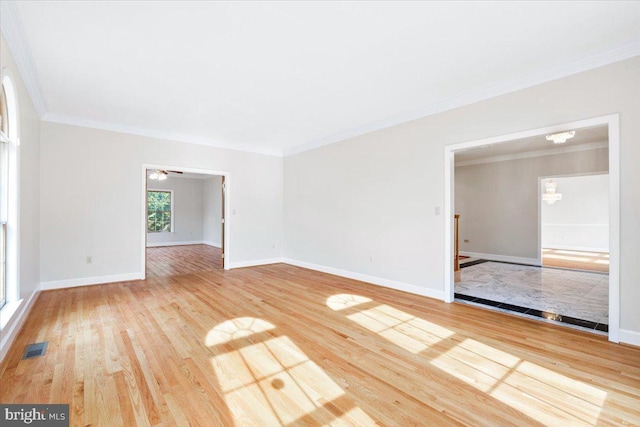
(539, 153)
(227, 209)
(9, 334)
(614, 227)
(503, 258)
(212, 243)
(255, 263)
(583, 63)
(160, 244)
(613, 123)
(379, 281)
(159, 134)
(449, 247)
(630, 337)
(87, 281)
(13, 31)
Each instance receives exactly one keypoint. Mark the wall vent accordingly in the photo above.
(34, 350)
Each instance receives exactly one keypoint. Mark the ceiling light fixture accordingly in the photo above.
(158, 175)
(561, 138)
(550, 196)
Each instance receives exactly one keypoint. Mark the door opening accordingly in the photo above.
(611, 124)
(185, 225)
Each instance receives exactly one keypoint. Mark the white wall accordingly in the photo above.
(580, 221)
(498, 202)
(375, 194)
(212, 228)
(28, 203)
(84, 213)
(188, 211)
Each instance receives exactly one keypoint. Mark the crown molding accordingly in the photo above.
(537, 153)
(13, 32)
(158, 134)
(11, 26)
(580, 64)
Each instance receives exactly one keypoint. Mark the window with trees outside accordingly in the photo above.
(159, 211)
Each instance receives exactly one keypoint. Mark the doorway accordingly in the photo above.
(612, 131)
(185, 222)
(575, 228)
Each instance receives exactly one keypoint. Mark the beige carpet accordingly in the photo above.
(581, 260)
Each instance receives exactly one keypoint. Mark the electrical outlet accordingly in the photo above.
(370, 259)
(89, 259)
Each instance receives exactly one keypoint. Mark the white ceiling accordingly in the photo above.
(584, 139)
(280, 77)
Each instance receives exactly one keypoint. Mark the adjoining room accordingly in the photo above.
(525, 209)
(184, 222)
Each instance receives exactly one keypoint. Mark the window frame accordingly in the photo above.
(9, 191)
(171, 209)
(4, 105)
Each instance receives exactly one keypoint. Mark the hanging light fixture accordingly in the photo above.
(561, 138)
(550, 196)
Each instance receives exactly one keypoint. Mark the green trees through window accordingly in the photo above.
(158, 211)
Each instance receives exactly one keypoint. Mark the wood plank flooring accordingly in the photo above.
(175, 260)
(579, 260)
(280, 345)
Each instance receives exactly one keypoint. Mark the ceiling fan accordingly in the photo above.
(161, 174)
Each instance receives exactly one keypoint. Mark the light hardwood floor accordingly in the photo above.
(176, 260)
(579, 260)
(281, 345)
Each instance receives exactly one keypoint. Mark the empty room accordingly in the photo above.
(319, 213)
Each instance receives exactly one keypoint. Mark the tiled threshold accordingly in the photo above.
(585, 325)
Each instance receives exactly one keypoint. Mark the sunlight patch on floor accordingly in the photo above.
(342, 301)
(569, 258)
(268, 380)
(541, 394)
(550, 397)
(407, 331)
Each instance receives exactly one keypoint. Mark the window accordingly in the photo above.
(159, 211)
(8, 135)
(4, 115)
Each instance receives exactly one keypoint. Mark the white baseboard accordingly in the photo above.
(85, 281)
(212, 243)
(254, 263)
(10, 332)
(158, 244)
(577, 248)
(387, 283)
(629, 337)
(504, 258)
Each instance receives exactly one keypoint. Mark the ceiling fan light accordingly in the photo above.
(154, 175)
(162, 176)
